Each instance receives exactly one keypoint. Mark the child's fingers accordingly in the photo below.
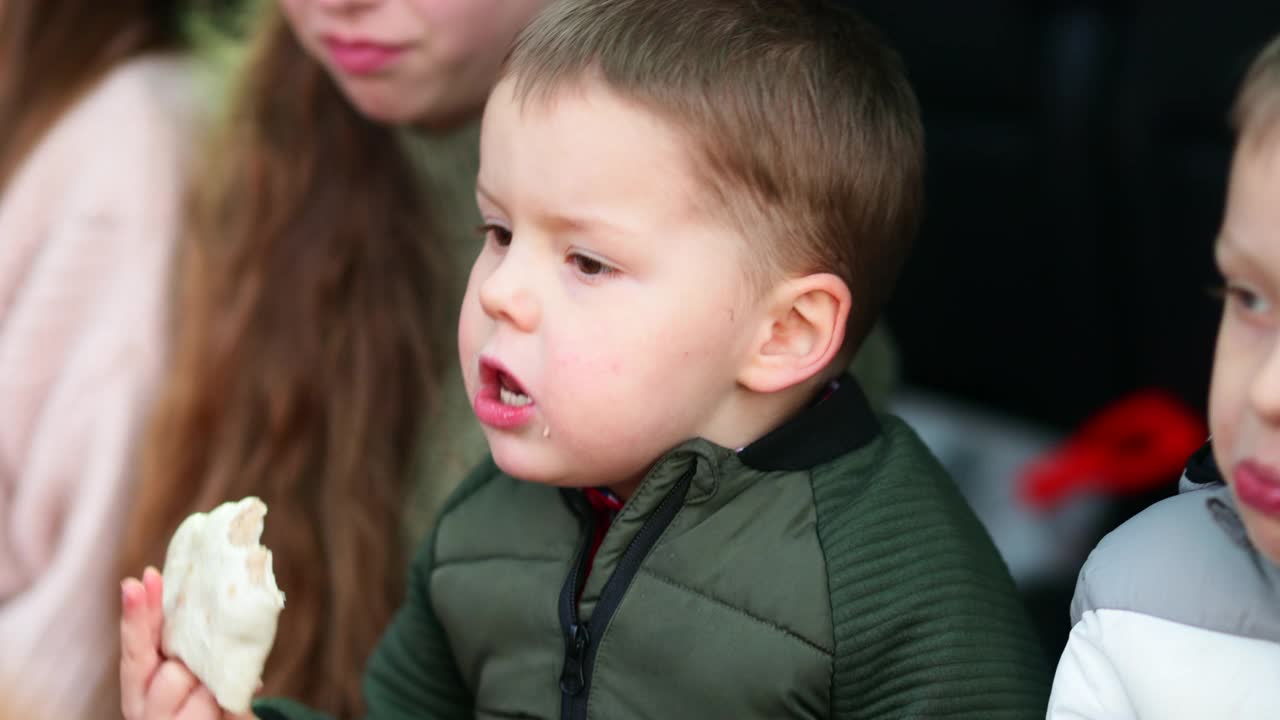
(139, 648)
(169, 691)
(154, 584)
(200, 705)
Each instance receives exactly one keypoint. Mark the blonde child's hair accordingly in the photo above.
(1256, 112)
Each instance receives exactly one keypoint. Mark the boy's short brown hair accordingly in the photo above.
(807, 129)
(1256, 112)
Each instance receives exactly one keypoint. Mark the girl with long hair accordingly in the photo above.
(313, 348)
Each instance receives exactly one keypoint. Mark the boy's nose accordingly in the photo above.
(1264, 390)
(506, 295)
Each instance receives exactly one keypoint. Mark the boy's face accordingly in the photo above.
(1244, 400)
(608, 312)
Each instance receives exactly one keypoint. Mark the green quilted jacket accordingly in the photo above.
(828, 570)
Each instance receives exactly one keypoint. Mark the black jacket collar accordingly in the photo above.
(833, 426)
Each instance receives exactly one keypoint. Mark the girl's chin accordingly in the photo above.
(378, 105)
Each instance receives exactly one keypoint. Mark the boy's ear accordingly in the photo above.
(802, 332)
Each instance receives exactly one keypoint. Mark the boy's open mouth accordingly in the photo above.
(510, 392)
(501, 401)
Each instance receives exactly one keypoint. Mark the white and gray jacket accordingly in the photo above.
(1175, 615)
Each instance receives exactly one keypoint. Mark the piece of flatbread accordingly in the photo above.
(221, 602)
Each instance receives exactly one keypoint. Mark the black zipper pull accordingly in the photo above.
(573, 679)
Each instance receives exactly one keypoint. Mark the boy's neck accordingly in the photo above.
(752, 415)
(745, 417)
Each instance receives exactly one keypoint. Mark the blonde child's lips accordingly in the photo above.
(1258, 486)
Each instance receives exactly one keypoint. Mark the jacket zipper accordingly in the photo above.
(579, 645)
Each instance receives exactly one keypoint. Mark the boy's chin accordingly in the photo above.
(538, 460)
(524, 464)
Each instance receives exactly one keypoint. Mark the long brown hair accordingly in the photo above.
(53, 51)
(305, 351)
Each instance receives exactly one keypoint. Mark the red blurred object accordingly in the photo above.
(1133, 445)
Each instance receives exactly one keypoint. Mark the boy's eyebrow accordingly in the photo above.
(481, 192)
(566, 223)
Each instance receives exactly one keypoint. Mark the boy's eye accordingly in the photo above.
(590, 266)
(499, 235)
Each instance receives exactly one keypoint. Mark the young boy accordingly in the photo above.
(1177, 612)
(692, 213)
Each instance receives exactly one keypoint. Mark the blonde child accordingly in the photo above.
(1177, 613)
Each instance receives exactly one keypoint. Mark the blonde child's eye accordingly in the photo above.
(1246, 299)
(590, 266)
(495, 233)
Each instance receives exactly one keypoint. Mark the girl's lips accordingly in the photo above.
(489, 407)
(361, 57)
(1258, 486)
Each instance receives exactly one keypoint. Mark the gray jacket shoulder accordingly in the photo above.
(1187, 560)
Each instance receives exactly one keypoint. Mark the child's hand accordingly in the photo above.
(153, 687)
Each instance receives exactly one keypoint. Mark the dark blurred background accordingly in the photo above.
(1078, 155)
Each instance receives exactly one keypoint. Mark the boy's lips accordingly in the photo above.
(501, 401)
(1258, 486)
